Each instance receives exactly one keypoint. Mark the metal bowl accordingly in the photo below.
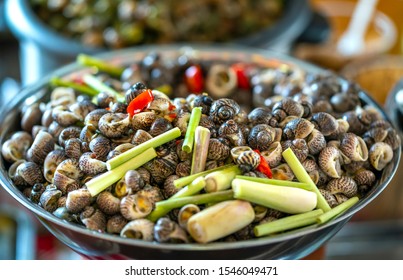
(95, 245)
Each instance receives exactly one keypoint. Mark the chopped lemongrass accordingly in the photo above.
(101, 182)
(275, 182)
(220, 220)
(287, 223)
(152, 143)
(303, 176)
(285, 199)
(193, 188)
(56, 81)
(184, 181)
(98, 85)
(200, 150)
(101, 65)
(163, 207)
(342, 207)
(194, 120)
(221, 180)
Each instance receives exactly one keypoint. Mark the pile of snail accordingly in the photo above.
(64, 142)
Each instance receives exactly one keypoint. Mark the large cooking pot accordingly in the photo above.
(42, 49)
(291, 245)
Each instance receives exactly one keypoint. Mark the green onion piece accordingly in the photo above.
(342, 207)
(98, 85)
(221, 180)
(184, 181)
(275, 182)
(194, 120)
(57, 82)
(304, 177)
(101, 182)
(200, 150)
(287, 223)
(193, 188)
(101, 65)
(152, 143)
(285, 199)
(163, 207)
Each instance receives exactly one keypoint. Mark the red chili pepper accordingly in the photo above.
(194, 79)
(264, 166)
(240, 70)
(140, 102)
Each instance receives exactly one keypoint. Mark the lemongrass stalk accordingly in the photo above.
(101, 65)
(194, 120)
(200, 150)
(163, 207)
(275, 182)
(303, 176)
(101, 182)
(57, 82)
(220, 220)
(221, 180)
(287, 223)
(342, 207)
(152, 143)
(184, 181)
(193, 188)
(98, 85)
(285, 199)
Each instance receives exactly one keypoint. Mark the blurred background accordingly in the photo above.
(361, 40)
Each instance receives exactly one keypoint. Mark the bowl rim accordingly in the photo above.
(26, 95)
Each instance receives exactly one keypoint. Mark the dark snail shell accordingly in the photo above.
(169, 188)
(287, 107)
(31, 116)
(161, 168)
(316, 142)
(93, 117)
(68, 133)
(90, 165)
(159, 126)
(100, 146)
(262, 115)
(217, 150)
(354, 147)
(108, 203)
(204, 101)
(77, 200)
(325, 123)
(115, 224)
(134, 91)
(261, 136)
(41, 147)
(298, 128)
(298, 146)
(30, 172)
(166, 230)
(344, 185)
(36, 192)
(93, 219)
(330, 161)
(49, 198)
(114, 125)
(224, 109)
(232, 132)
(82, 108)
(143, 120)
(72, 148)
(64, 117)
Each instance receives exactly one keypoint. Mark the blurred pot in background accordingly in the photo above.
(43, 48)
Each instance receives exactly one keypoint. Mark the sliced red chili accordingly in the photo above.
(242, 78)
(140, 102)
(194, 79)
(264, 167)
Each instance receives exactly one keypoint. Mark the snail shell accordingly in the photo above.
(108, 203)
(93, 219)
(139, 229)
(287, 107)
(143, 120)
(159, 126)
(325, 123)
(380, 154)
(298, 128)
(160, 168)
(330, 161)
(30, 172)
(62, 96)
(231, 131)
(364, 177)
(49, 198)
(100, 146)
(298, 146)
(204, 101)
(344, 185)
(68, 133)
(183, 168)
(31, 116)
(90, 165)
(17, 146)
(105, 100)
(224, 109)
(262, 115)
(134, 91)
(41, 147)
(273, 155)
(354, 147)
(181, 121)
(36, 192)
(330, 198)
(114, 125)
(72, 148)
(221, 80)
(135, 206)
(93, 117)
(82, 108)
(78, 199)
(67, 175)
(316, 142)
(64, 117)
(52, 160)
(166, 230)
(261, 136)
(217, 150)
(115, 224)
(283, 172)
(312, 169)
(245, 158)
(169, 188)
